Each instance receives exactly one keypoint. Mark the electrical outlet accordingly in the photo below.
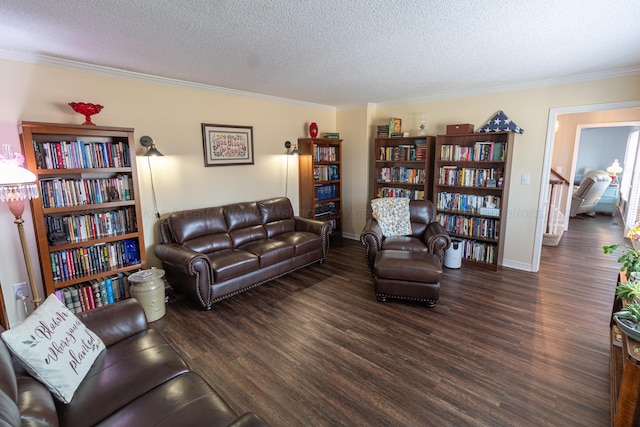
(20, 289)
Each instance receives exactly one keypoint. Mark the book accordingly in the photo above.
(395, 125)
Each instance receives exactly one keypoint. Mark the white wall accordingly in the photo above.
(172, 116)
(530, 110)
(599, 146)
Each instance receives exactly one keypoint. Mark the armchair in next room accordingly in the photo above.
(588, 194)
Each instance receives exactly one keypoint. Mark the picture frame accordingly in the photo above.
(227, 145)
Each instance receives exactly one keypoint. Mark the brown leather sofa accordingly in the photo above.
(212, 253)
(138, 380)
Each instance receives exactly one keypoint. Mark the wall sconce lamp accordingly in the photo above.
(614, 170)
(293, 152)
(18, 184)
(152, 151)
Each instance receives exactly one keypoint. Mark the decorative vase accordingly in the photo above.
(313, 129)
(87, 110)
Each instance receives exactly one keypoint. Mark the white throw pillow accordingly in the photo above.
(55, 347)
(393, 216)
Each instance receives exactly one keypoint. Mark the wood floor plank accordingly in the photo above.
(505, 348)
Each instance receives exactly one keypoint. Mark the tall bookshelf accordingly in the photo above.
(87, 220)
(320, 181)
(471, 178)
(403, 167)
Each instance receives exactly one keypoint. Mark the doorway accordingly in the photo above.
(567, 120)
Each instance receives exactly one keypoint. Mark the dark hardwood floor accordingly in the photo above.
(505, 348)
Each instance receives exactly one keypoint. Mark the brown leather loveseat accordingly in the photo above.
(216, 252)
(138, 380)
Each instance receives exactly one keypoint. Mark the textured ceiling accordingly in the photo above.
(337, 52)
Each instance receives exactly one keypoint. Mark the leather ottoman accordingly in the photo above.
(407, 275)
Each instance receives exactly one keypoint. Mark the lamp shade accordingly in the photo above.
(150, 144)
(615, 168)
(16, 182)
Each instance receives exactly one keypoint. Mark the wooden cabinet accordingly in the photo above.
(320, 183)
(470, 192)
(87, 219)
(403, 167)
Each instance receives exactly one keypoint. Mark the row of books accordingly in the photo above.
(469, 177)
(83, 227)
(402, 175)
(478, 251)
(84, 261)
(393, 128)
(325, 191)
(400, 192)
(81, 155)
(470, 203)
(331, 135)
(324, 154)
(480, 151)
(403, 153)
(324, 210)
(484, 228)
(325, 173)
(95, 293)
(61, 192)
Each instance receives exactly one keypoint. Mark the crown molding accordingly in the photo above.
(33, 58)
(623, 72)
(38, 59)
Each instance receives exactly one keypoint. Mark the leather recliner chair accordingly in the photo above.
(588, 194)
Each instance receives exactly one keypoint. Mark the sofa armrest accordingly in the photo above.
(248, 419)
(310, 225)
(437, 239)
(181, 257)
(314, 226)
(115, 322)
(181, 263)
(371, 237)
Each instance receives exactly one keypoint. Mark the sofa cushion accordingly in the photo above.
(242, 215)
(404, 243)
(124, 372)
(303, 242)
(275, 209)
(270, 251)
(35, 403)
(186, 400)
(248, 234)
(54, 346)
(392, 213)
(231, 263)
(191, 224)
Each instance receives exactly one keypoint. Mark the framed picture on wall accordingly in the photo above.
(226, 145)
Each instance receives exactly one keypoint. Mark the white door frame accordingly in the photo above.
(548, 157)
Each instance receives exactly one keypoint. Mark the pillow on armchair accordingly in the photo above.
(393, 216)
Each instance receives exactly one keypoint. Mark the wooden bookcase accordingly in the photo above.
(320, 181)
(87, 219)
(403, 167)
(471, 178)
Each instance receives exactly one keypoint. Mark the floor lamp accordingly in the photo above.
(18, 184)
(290, 152)
(152, 151)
